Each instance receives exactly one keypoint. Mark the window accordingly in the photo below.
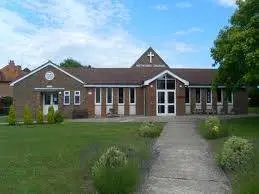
(97, 95)
(109, 96)
(55, 98)
(47, 98)
(132, 96)
(165, 82)
(219, 95)
(209, 96)
(230, 97)
(66, 97)
(198, 95)
(187, 95)
(77, 97)
(121, 96)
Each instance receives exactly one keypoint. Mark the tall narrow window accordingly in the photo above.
(198, 95)
(219, 95)
(121, 96)
(109, 96)
(77, 97)
(66, 97)
(209, 96)
(187, 95)
(97, 95)
(132, 96)
(230, 97)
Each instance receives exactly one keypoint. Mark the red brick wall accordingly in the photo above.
(103, 113)
(116, 98)
(214, 100)
(203, 99)
(126, 101)
(151, 99)
(180, 98)
(90, 97)
(240, 102)
(139, 101)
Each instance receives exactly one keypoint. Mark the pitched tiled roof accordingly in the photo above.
(138, 75)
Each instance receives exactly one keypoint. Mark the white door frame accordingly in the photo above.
(166, 104)
(45, 107)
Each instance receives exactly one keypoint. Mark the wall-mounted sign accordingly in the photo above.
(49, 75)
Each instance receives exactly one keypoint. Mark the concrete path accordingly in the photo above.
(184, 163)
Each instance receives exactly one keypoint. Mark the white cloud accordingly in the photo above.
(188, 31)
(182, 47)
(161, 7)
(229, 3)
(91, 32)
(184, 4)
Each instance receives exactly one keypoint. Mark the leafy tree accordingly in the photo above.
(70, 63)
(27, 115)
(236, 49)
(51, 115)
(12, 116)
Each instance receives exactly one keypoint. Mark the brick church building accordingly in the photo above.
(149, 87)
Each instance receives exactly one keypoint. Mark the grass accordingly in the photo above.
(58, 158)
(3, 119)
(253, 110)
(243, 181)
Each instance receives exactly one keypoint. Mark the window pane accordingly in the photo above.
(55, 99)
(187, 95)
(161, 97)
(219, 96)
(121, 95)
(132, 95)
(208, 95)
(109, 95)
(161, 108)
(229, 97)
(66, 97)
(160, 84)
(170, 108)
(170, 97)
(170, 84)
(77, 99)
(67, 100)
(97, 95)
(198, 95)
(47, 99)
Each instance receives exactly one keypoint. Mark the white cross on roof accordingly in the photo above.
(150, 55)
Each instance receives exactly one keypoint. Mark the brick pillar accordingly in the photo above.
(126, 103)
(180, 98)
(225, 101)
(151, 99)
(36, 104)
(90, 101)
(103, 112)
(60, 101)
(116, 99)
(140, 101)
(214, 100)
(193, 99)
(203, 99)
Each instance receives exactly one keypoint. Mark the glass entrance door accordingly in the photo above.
(50, 99)
(165, 102)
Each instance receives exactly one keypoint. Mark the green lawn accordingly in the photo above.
(3, 119)
(253, 110)
(242, 181)
(57, 158)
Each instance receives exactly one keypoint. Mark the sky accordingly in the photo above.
(111, 33)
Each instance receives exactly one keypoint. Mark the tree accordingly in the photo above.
(236, 49)
(27, 120)
(12, 116)
(70, 63)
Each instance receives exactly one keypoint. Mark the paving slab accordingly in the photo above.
(184, 163)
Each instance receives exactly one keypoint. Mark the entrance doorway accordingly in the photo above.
(50, 99)
(166, 103)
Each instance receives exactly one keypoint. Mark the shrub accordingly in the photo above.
(150, 129)
(236, 153)
(212, 129)
(112, 173)
(40, 117)
(27, 120)
(12, 116)
(58, 117)
(50, 115)
(112, 158)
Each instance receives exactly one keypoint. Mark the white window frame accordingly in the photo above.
(119, 96)
(134, 96)
(98, 103)
(209, 103)
(188, 103)
(79, 94)
(107, 96)
(232, 99)
(68, 94)
(196, 98)
(222, 97)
